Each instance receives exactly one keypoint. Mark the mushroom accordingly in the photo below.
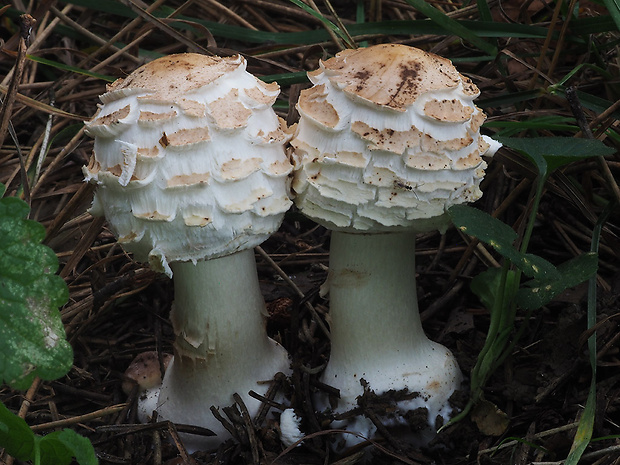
(191, 174)
(144, 372)
(388, 139)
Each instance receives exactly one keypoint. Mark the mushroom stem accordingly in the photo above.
(376, 332)
(221, 345)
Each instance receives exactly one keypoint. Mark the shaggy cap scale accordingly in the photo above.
(389, 138)
(189, 159)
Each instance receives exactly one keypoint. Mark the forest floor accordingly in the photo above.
(119, 308)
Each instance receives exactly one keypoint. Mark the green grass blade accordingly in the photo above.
(484, 10)
(360, 18)
(71, 69)
(613, 6)
(395, 27)
(286, 79)
(586, 423)
(342, 35)
(584, 430)
(450, 24)
(592, 25)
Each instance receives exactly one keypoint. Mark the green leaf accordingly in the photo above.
(539, 292)
(614, 10)
(59, 448)
(486, 286)
(16, 437)
(550, 153)
(500, 236)
(32, 336)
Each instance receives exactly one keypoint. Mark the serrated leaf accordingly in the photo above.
(571, 273)
(500, 236)
(16, 437)
(550, 153)
(32, 336)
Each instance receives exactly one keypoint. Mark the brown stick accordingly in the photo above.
(27, 22)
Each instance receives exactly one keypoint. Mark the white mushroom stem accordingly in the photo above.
(222, 346)
(376, 332)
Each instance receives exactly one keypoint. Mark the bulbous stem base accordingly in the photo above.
(377, 336)
(222, 346)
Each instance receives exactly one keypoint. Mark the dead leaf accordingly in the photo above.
(489, 419)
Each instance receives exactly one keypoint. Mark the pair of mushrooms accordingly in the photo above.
(192, 172)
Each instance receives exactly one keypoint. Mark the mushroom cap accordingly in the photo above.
(144, 370)
(388, 139)
(189, 159)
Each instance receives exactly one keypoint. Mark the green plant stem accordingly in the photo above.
(527, 235)
(477, 380)
(503, 314)
(509, 317)
(37, 452)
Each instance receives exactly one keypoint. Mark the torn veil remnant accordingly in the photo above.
(191, 174)
(389, 138)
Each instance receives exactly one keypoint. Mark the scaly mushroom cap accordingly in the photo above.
(189, 159)
(389, 138)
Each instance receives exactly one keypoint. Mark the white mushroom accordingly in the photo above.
(144, 372)
(192, 173)
(389, 138)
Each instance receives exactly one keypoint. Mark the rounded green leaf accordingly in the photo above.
(500, 236)
(16, 438)
(60, 447)
(550, 153)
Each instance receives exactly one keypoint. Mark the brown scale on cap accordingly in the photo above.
(312, 102)
(393, 75)
(111, 118)
(191, 71)
(470, 161)
(150, 152)
(185, 180)
(265, 94)
(387, 139)
(147, 116)
(237, 168)
(449, 111)
(228, 112)
(185, 137)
